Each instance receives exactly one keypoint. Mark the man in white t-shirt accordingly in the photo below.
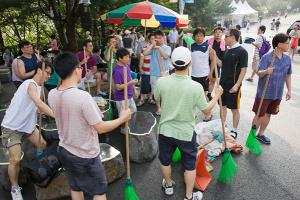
(79, 121)
(202, 70)
(173, 38)
(257, 45)
(20, 122)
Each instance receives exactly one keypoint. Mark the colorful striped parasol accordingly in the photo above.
(146, 14)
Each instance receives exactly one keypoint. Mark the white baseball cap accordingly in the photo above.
(127, 32)
(181, 56)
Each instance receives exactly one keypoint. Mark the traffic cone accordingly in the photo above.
(203, 177)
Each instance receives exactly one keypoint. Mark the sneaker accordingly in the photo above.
(233, 134)
(196, 196)
(16, 194)
(103, 94)
(263, 139)
(169, 190)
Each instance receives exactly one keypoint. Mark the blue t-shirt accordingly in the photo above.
(282, 68)
(157, 61)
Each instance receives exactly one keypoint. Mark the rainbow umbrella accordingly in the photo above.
(146, 14)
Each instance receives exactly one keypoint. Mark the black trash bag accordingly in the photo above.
(44, 169)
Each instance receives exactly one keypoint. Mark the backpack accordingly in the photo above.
(265, 47)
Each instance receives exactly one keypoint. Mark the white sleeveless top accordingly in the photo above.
(200, 60)
(21, 114)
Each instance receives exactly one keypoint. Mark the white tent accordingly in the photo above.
(249, 8)
(252, 14)
(242, 11)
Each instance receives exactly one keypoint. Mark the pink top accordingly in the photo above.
(75, 113)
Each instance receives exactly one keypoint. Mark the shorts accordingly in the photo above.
(84, 174)
(255, 63)
(268, 106)
(204, 81)
(11, 137)
(153, 80)
(145, 84)
(167, 146)
(231, 100)
(131, 105)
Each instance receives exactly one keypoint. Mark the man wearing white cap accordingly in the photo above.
(128, 42)
(180, 97)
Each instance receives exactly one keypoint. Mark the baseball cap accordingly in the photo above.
(181, 56)
(127, 32)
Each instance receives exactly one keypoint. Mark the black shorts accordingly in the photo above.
(231, 100)
(84, 174)
(145, 84)
(167, 147)
(204, 81)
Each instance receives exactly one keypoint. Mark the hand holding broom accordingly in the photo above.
(228, 169)
(39, 151)
(251, 142)
(86, 70)
(130, 194)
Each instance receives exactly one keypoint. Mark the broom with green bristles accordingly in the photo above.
(228, 169)
(110, 108)
(130, 193)
(251, 143)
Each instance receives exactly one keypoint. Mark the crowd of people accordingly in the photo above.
(177, 77)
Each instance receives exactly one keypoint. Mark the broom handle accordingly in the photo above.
(110, 76)
(86, 71)
(220, 104)
(40, 115)
(126, 123)
(265, 87)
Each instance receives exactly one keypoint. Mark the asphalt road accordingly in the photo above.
(274, 175)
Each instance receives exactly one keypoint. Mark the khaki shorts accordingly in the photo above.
(11, 138)
(255, 64)
(121, 106)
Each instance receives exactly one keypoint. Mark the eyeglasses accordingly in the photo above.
(226, 36)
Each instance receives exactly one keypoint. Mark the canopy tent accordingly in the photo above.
(242, 11)
(252, 14)
(248, 7)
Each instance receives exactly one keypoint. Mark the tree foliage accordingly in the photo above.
(206, 12)
(36, 20)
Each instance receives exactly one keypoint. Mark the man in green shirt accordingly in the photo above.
(180, 97)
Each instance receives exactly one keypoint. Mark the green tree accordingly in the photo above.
(206, 12)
